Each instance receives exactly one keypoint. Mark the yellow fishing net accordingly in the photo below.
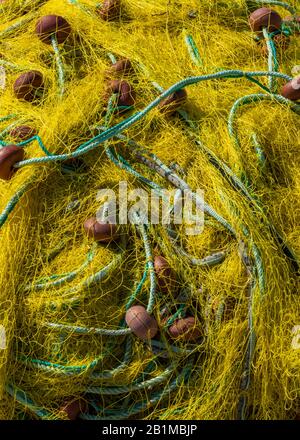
(64, 297)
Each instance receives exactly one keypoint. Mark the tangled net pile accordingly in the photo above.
(201, 102)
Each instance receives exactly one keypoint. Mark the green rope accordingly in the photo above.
(13, 202)
(193, 50)
(21, 397)
(112, 58)
(59, 64)
(138, 289)
(65, 277)
(86, 331)
(272, 60)
(158, 380)
(16, 26)
(251, 99)
(121, 126)
(142, 406)
(70, 370)
(277, 3)
(259, 152)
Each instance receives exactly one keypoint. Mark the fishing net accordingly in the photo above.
(223, 307)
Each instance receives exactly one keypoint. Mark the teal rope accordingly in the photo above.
(127, 122)
(258, 263)
(246, 375)
(176, 180)
(180, 313)
(226, 172)
(3, 119)
(80, 6)
(40, 142)
(26, 142)
(59, 64)
(6, 130)
(166, 172)
(220, 311)
(13, 66)
(237, 184)
(112, 58)
(150, 368)
(98, 276)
